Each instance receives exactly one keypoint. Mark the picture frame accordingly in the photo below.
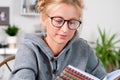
(28, 7)
(4, 16)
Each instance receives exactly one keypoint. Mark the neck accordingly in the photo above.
(55, 47)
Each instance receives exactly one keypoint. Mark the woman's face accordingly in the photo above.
(63, 34)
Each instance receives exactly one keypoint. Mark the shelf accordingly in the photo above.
(8, 51)
(30, 14)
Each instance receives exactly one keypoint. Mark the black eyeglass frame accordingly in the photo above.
(52, 18)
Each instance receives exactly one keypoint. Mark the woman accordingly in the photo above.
(44, 57)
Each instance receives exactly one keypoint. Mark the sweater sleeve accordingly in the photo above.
(25, 67)
(94, 66)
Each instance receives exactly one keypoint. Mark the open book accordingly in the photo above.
(72, 73)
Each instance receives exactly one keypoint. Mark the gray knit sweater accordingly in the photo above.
(35, 61)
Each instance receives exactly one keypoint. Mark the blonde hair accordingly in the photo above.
(44, 5)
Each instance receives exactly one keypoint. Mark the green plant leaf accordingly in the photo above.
(12, 30)
(106, 50)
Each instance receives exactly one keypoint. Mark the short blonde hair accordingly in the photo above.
(44, 5)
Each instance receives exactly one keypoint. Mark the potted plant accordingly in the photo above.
(11, 32)
(107, 51)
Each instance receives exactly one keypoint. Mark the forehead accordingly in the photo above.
(67, 11)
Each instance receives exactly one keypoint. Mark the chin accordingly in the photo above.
(62, 41)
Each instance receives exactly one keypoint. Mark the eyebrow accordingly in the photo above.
(64, 18)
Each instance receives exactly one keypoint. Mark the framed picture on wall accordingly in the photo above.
(4, 15)
(28, 7)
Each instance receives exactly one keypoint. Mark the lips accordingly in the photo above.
(62, 36)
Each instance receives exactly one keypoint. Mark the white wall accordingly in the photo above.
(105, 13)
(102, 13)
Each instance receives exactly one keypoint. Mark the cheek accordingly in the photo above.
(49, 28)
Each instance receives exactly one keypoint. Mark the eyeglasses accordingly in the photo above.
(59, 22)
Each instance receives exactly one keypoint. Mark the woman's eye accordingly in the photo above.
(59, 21)
(71, 22)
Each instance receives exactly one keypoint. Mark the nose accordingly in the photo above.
(64, 28)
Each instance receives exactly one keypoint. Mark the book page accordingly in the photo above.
(115, 75)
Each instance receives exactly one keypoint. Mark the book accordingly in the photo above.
(115, 75)
(72, 73)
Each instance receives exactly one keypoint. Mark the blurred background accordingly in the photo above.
(104, 14)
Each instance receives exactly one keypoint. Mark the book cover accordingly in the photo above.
(72, 73)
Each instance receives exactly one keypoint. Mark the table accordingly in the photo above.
(8, 51)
